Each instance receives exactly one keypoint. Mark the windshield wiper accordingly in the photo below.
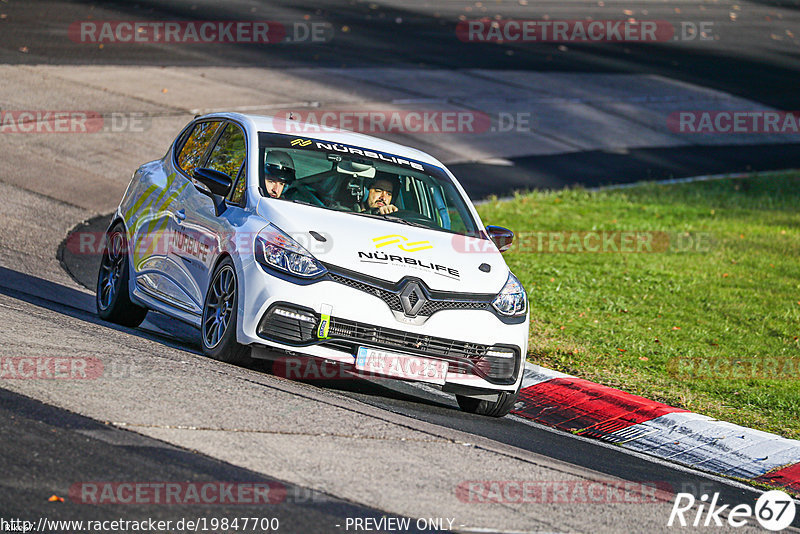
(389, 217)
(393, 218)
(304, 202)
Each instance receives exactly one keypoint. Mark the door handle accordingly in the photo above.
(180, 215)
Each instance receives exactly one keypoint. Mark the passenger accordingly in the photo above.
(379, 197)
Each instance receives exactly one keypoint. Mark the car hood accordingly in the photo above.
(391, 250)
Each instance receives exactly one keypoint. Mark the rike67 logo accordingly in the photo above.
(774, 510)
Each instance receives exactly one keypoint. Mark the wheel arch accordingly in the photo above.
(238, 269)
(125, 310)
(119, 219)
(222, 257)
(115, 219)
(236, 353)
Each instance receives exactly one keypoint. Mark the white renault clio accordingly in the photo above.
(332, 245)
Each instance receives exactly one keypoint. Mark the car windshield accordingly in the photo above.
(361, 181)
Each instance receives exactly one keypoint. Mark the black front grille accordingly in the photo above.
(392, 297)
(406, 341)
(432, 306)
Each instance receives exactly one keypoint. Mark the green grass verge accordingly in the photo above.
(712, 327)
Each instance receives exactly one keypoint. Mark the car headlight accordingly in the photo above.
(512, 300)
(277, 250)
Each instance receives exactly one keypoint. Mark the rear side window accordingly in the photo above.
(191, 155)
(228, 154)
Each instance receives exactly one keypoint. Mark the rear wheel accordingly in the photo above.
(498, 408)
(112, 298)
(219, 321)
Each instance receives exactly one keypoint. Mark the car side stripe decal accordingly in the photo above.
(138, 204)
(164, 206)
(159, 235)
(156, 235)
(170, 179)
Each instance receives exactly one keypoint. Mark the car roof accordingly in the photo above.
(266, 123)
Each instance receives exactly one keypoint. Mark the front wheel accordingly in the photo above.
(219, 321)
(498, 408)
(112, 299)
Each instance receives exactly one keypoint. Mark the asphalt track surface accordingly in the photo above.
(108, 453)
(753, 54)
(37, 438)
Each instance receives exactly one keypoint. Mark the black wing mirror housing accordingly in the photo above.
(501, 237)
(218, 183)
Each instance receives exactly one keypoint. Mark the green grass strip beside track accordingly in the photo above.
(706, 318)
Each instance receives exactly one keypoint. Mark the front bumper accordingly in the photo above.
(482, 351)
(286, 323)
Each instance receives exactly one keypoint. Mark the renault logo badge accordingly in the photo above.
(412, 298)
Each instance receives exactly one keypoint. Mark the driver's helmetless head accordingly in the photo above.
(380, 194)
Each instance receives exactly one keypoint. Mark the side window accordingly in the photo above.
(457, 213)
(238, 189)
(195, 146)
(456, 222)
(228, 154)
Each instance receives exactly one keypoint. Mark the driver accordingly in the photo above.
(379, 197)
(278, 172)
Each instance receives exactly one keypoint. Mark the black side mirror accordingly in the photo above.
(501, 237)
(218, 183)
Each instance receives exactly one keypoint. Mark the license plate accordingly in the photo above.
(401, 365)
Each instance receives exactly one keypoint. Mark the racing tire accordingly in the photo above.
(220, 317)
(499, 408)
(112, 297)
